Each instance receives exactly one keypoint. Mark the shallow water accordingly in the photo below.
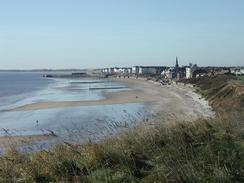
(72, 124)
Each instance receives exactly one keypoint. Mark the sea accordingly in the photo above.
(70, 124)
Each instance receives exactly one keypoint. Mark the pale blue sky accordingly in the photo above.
(100, 33)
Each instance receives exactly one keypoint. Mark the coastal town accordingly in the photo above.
(167, 75)
(126, 91)
(162, 74)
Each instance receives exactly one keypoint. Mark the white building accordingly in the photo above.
(106, 70)
(242, 71)
(190, 70)
(117, 70)
(147, 70)
(126, 70)
(135, 70)
(168, 74)
(188, 73)
(237, 71)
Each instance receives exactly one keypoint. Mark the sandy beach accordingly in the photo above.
(171, 101)
(123, 97)
(168, 102)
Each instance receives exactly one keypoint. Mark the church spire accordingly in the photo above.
(177, 63)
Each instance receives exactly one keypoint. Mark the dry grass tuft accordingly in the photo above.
(202, 151)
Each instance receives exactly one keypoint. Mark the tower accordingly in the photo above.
(177, 72)
(176, 64)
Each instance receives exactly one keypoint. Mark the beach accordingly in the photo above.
(177, 100)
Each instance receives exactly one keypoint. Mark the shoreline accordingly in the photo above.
(177, 102)
(168, 102)
(175, 99)
(121, 97)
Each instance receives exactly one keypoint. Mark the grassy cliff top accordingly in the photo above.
(201, 151)
(224, 92)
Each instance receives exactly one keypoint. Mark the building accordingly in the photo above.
(176, 65)
(126, 70)
(220, 71)
(199, 72)
(178, 72)
(173, 73)
(135, 70)
(189, 70)
(150, 70)
(105, 70)
(117, 70)
(144, 70)
(188, 73)
(168, 73)
(237, 71)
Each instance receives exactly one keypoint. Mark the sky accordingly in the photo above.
(62, 34)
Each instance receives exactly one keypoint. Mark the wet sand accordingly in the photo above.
(171, 102)
(176, 100)
(122, 97)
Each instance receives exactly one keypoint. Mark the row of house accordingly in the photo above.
(193, 71)
(137, 70)
(148, 70)
(117, 70)
(237, 70)
(173, 73)
(170, 73)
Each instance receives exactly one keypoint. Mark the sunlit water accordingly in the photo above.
(71, 124)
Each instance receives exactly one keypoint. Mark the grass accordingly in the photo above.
(240, 78)
(200, 151)
(225, 93)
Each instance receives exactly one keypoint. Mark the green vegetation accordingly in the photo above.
(225, 93)
(201, 151)
(240, 78)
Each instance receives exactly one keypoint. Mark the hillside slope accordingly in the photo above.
(201, 151)
(223, 92)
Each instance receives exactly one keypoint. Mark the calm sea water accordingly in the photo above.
(71, 123)
(16, 83)
(15, 86)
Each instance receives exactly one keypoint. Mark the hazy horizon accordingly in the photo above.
(59, 34)
(91, 68)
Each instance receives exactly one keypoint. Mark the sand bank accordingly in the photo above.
(177, 102)
(123, 97)
(171, 101)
